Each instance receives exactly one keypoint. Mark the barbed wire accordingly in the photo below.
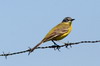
(53, 46)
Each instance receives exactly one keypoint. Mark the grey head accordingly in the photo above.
(66, 19)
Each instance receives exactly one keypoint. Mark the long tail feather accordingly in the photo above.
(32, 49)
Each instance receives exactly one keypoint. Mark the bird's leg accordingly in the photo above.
(57, 46)
(54, 43)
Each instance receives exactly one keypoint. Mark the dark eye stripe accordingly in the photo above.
(65, 20)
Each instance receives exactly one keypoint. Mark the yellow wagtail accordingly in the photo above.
(58, 32)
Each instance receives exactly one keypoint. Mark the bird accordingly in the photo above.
(57, 33)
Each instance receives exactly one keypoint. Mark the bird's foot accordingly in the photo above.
(56, 47)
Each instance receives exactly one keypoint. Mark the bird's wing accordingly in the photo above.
(56, 32)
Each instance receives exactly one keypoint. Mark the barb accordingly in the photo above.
(64, 45)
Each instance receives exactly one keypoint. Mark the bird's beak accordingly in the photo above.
(73, 19)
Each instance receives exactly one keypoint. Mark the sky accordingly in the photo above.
(24, 23)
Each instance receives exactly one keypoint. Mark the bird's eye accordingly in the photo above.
(65, 20)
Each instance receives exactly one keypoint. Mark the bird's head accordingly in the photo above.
(68, 19)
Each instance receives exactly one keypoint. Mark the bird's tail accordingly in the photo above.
(32, 49)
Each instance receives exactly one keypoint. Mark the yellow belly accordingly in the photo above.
(64, 35)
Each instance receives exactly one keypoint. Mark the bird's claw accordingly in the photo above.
(56, 47)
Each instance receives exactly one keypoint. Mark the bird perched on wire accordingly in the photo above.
(57, 33)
